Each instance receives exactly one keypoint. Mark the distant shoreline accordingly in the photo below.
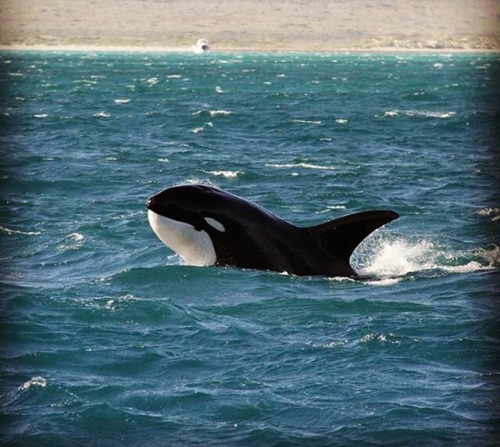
(179, 49)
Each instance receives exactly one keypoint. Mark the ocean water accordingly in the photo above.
(108, 339)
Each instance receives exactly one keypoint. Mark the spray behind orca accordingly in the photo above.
(208, 226)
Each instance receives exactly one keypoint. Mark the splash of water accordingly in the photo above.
(37, 381)
(387, 258)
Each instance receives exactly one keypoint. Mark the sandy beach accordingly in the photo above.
(279, 25)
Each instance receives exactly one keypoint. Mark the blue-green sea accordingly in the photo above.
(109, 339)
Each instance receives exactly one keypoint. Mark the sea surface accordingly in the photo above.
(109, 339)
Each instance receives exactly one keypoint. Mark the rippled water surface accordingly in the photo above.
(108, 339)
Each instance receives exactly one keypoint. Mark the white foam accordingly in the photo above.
(491, 256)
(25, 233)
(225, 174)
(399, 258)
(300, 165)
(380, 338)
(385, 282)
(101, 115)
(494, 213)
(330, 208)
(199, 181)
(219, 112)
(76, 236)
(306, 121)
(441, 115)
(202, 128)
(110, 305)
(390, 260)
(72, 241)
(421, 113)
(213, 113)
(37, 381)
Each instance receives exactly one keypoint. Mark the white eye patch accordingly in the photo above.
(215, 224)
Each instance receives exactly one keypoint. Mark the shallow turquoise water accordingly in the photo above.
(107, 339)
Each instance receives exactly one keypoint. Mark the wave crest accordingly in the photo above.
(37, 381)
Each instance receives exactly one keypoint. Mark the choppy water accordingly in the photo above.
(107, 339)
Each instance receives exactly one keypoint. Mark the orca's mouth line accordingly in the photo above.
(161, 209)
(174, 213)
(152, 204)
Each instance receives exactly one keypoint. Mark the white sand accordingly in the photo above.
(297, 25)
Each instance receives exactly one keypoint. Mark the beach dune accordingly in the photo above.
(307, 25)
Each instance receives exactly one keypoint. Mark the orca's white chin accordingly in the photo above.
(195, 247)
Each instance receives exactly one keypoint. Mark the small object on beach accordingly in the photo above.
(200, 46)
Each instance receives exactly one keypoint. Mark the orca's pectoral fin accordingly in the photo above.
(340, 237)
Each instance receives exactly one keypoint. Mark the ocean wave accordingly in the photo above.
(101, 115)
(105, 302)
(307, 121)
(494, 213)
(330, 208)
(225, 174)
(212, 113)
(202, 128)
(420, 113)
(120, 340)
(300, 165)
(200, 181)
(25, 233)
(72, 241)
(37, 382)
(220, 112)
(380, 339)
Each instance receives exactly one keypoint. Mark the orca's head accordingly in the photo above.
(185, 217)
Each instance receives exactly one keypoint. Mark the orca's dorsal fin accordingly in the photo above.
(340, 237)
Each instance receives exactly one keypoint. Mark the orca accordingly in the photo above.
(209, 226)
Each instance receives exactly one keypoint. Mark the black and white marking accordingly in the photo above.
(208, 226)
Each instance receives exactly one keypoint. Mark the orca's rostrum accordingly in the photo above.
(208, 226)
